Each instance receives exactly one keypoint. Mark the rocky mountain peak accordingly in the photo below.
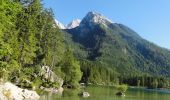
(73, 24)
(97, 18)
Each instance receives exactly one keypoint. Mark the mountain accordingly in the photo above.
(73, 24)
(113, 46)
(60, 25)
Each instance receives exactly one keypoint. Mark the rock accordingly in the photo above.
(60, 25)
(48, 74)
(120, 94)
(60, 90)
(74, 24)
(85, 94)
(9, 91)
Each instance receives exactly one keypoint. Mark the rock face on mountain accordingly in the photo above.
(115, 46)
(60, 25)
(9, 91)
(95, 18)
(73, 24)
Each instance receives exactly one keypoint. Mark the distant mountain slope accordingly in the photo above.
(115, 46)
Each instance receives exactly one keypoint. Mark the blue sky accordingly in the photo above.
(149, 18)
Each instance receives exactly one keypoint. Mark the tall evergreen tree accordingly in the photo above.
(8, 36)
(26, 25)
(71, 68)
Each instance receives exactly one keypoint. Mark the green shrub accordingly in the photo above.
(122, 88)
(37, 83)
(56, 85)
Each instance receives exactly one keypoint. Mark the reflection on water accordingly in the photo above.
(108, 93)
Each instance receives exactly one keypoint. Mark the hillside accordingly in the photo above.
(113, 46)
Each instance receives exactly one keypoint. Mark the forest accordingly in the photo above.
(29, 39)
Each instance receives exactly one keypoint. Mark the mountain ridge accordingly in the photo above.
(74, 23)
(116, 46)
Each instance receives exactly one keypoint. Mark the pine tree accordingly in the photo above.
(71, 68)
(8, 37)
(27, 26)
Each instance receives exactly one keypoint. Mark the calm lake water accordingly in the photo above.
(108, 93)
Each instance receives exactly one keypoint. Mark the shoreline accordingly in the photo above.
(129, 87)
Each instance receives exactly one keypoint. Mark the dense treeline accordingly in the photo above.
(94, 72)
(146, 81)
(30, 39)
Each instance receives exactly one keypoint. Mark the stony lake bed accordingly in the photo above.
(108, 93)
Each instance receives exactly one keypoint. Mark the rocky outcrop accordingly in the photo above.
(48, 74)
(9, 91)
(74, 24)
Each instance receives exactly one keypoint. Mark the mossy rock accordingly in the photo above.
(120, 94)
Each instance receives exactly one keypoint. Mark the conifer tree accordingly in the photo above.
(71, 68)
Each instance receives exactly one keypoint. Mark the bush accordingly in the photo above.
(37, 83)
(122, 88)
(56, 85)
(51, 84)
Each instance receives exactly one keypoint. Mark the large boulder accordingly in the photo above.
(9, 91)
(48, 74)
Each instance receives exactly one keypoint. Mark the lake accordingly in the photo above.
(108, 93)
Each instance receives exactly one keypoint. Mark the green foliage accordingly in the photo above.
(122, 88)
(29, 38)
(8, 54)
(51, 85)
(59, 72)
(71, 68)
(37, 82)
(146, 81)
(94, 72)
